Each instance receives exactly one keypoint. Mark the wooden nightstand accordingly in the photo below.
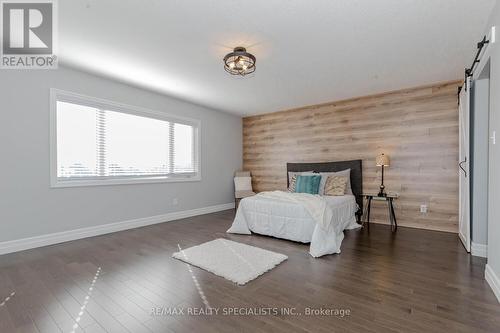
(389, 198)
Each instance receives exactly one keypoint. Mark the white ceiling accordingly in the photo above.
(308, 52)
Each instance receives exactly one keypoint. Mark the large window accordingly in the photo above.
(96, 142)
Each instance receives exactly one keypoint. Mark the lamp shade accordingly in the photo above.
(382, 160)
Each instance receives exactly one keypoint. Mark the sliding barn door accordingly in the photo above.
(464, 182)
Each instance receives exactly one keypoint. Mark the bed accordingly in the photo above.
(267, 214)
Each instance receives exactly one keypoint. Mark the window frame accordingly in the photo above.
(71, 97)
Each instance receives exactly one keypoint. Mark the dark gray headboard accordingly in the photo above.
(356, 174)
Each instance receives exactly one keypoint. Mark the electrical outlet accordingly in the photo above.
(175, 201)
(423, 209)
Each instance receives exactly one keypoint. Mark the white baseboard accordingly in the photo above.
(65, 236)
(479, 250)
(492, 280)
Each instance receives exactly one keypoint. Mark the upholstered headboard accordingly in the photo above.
(356, 174)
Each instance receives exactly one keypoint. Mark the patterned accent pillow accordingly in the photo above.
(343, 173)
(293, 181)
(335, 185)
(307, 184)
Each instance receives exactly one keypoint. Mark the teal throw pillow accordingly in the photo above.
(307, 184)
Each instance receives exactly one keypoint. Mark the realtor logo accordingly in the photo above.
(28, 34)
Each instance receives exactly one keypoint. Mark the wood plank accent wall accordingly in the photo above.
(417, 128)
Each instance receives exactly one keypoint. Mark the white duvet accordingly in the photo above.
(306, 218)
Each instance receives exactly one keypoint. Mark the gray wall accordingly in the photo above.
(29, 207)
(479, 158)
(494, 166)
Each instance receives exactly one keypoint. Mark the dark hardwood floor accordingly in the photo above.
(410, 281)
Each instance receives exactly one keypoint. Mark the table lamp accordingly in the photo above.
(382, 160)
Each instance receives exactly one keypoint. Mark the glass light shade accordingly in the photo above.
(382, 160)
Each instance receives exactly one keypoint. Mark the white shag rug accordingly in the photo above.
(234, 261)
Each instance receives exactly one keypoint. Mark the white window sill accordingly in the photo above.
(106, 182)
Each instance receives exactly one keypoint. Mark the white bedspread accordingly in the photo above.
(319, 220)
(316, 206)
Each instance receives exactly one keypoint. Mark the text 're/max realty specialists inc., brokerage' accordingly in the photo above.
(250, 311)
(28, 34)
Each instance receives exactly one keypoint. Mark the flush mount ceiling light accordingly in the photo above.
(239, 62)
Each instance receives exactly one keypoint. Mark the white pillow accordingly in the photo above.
(343, 173)
(243, 183)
